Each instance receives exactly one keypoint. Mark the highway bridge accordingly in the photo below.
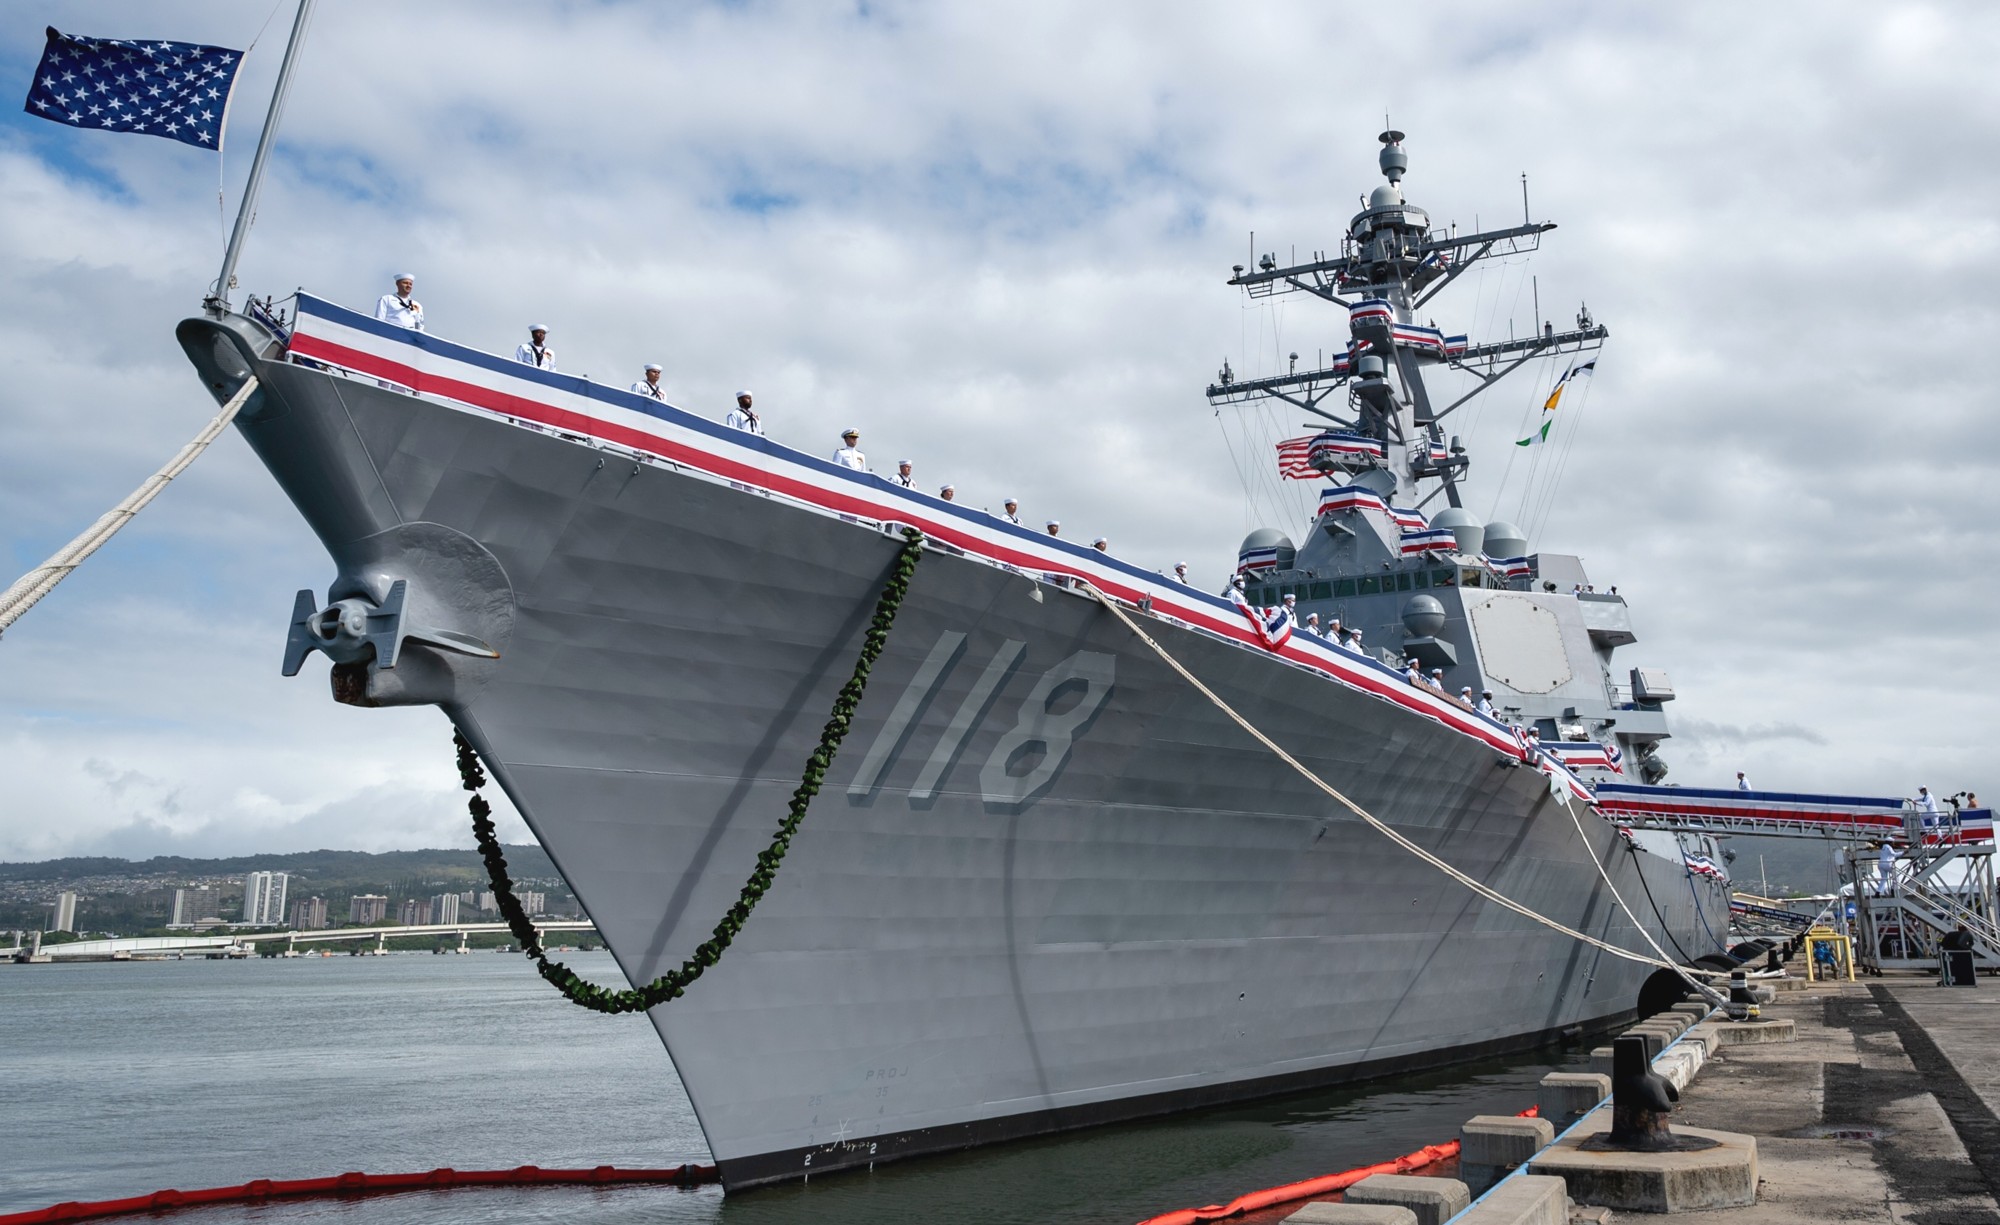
(261, 941)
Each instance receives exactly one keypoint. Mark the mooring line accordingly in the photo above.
(41, 580)
(1373, 822)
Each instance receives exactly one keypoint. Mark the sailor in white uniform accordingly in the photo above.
(536, 352)
(1055, 527)
(650, 385)
(743, 417)
(1413, 672)
(1010, 510)
(903, 476)
(1743, 782)
(948, 492)
(849, 455)
(1354, 640)
(1885, 867)
(1312, 624)
(400, 308)
(1101, 544)
(1180, 572)
(1486, 704)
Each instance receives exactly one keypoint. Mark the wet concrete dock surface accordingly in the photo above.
(1883, 1109)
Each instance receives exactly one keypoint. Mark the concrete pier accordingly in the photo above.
(1868, 1102)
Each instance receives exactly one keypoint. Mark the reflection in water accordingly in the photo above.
(126, 1078)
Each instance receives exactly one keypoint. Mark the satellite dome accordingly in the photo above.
(1268, 548)
(1465, 526)
(1423, 616)
(1385, 196)
(1503, 539)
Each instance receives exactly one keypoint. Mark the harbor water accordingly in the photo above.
(123, 1078)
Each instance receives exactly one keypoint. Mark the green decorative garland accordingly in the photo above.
(672, 984)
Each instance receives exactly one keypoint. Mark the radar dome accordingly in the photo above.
(1423, 616)
(1385, 196)
(1267, 548)
(1505, 540)
(1465, 526)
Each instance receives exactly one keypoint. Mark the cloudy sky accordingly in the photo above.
(994, 237)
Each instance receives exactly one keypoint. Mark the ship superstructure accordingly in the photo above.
(1392, 549)
(1048, 882)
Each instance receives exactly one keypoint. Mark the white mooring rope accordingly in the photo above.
(1381, 827)
(41, 580)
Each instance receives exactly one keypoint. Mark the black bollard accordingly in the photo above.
(1641, 1100)
(1742, 1005)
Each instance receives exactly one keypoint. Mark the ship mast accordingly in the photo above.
(1392, 263)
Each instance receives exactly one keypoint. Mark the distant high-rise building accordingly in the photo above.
(65, 912)
(196, 904)
(444, 908)
(309, 914)
(415, 912)
(488, 902)
(264, 898)
(367, 908)
(532, 902)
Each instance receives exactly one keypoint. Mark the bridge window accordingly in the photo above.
(1371, 586)
(1343, 589)
(1441, 578)
(1403, 582)
(1321, 591)
(1423, 578)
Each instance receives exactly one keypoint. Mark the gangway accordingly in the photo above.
(1929, 891)
(1787, 814)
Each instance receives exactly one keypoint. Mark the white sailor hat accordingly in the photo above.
(1465, 689)
(947, 489)
(901, 463)
(538, 327)
(1180, 565)
(743, 395)
(1437, 671)
(654, 366)
(1290, 598)
(407, 276)
(1100, 542)
(1485, 693)
(1055, 523)
(1011, 500)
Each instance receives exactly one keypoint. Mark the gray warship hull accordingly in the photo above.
(1048, 884)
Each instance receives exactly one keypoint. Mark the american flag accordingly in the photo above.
(176, 90)
(1295, 458)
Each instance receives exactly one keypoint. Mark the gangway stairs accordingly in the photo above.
(1931, 890)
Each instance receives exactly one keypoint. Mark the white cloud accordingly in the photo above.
(994, 238)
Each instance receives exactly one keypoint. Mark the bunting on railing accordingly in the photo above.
(1335, 446)
(1298, 457)
(1368, 312)
(1430, 540)
(1350, 498)
(1409, 518)
(1701, 865)
(1250, 560)
(1273, 625)
(1586, 755)
(1509, 567)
